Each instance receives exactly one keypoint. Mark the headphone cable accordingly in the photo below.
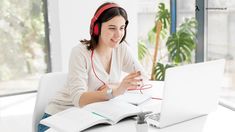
(93, 68)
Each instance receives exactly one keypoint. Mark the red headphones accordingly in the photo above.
(94, 29)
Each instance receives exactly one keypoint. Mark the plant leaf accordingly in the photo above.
(180, 46)
(142, 50)
(163, 15)
(160, 70)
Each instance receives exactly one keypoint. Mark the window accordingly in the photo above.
(215, 39)
(23, 45)
(220, 43)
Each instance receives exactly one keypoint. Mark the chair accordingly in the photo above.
(48, 85)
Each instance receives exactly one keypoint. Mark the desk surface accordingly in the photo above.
(221, 120)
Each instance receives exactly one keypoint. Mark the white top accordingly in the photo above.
(81, 77)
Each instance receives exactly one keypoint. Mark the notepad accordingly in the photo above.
(133, 98)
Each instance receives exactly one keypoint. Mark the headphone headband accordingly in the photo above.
(98, 13)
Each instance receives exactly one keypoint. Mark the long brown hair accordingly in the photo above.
(104, 17)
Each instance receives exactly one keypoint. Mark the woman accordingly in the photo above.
(95, 65)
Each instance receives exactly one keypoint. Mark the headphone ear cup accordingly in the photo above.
(96, 29)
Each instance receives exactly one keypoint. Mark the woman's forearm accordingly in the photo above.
(91, 97)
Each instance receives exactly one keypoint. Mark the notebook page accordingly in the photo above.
(72, 120)
(113, 110)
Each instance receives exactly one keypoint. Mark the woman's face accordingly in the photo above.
(112, 32)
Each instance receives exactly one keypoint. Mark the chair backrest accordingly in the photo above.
(49, 84)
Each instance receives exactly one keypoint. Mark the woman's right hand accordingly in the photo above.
(131, 80)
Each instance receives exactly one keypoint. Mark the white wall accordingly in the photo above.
(54, 31)
(70, 22)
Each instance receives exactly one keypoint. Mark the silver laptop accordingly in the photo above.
(189, 91)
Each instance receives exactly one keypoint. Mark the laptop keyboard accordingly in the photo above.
(155, 116)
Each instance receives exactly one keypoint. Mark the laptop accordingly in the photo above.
(189, 91)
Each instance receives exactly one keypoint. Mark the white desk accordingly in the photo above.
(221, 120)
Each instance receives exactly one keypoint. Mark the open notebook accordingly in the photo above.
(76, 119)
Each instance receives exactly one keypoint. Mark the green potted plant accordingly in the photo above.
(180, 45)
(162, 22)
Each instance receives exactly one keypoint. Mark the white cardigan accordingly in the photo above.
(81, 77)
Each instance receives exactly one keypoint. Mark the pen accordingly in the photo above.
(141, 85)
(133, 64)
(156, 98)
(129, 89)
